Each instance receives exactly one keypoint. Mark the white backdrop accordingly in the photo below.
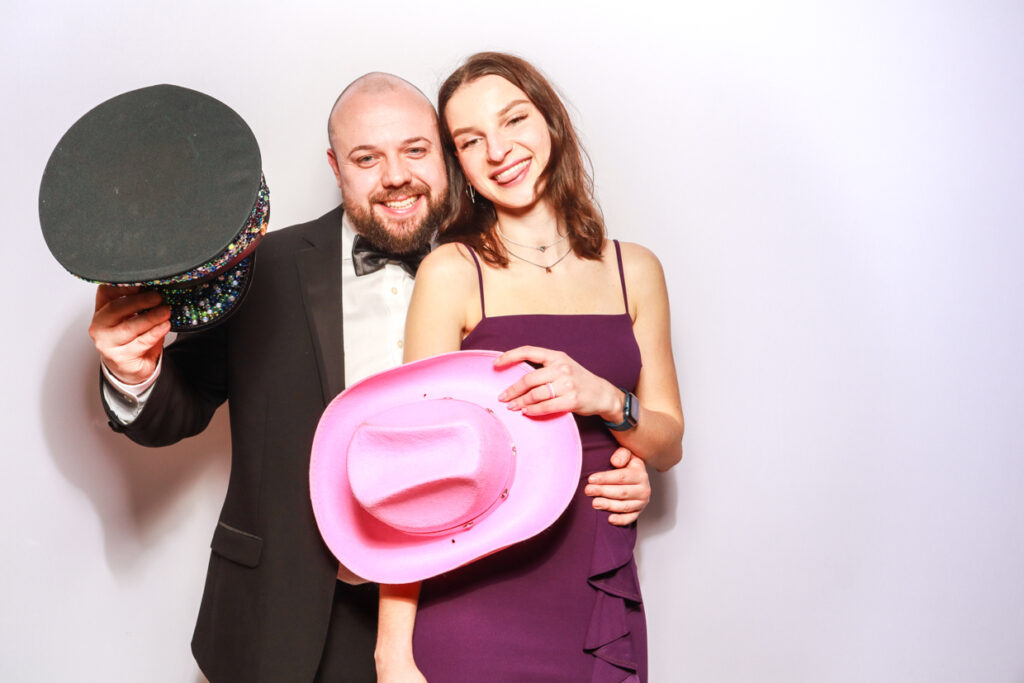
(835, 193)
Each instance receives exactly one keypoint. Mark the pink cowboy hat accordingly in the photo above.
(421, 469)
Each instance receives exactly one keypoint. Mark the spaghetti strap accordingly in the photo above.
(480, 278)
(622, 277)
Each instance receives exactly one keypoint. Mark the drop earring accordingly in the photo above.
(472, 195)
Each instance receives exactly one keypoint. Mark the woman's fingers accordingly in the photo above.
(530, 388)
(539, 385)
(529, 354)
(560, 404)
(560, 385)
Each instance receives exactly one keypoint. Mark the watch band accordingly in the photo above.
(630, 413)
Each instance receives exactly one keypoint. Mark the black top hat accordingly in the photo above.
(160, 187)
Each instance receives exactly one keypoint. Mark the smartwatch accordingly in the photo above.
(630, 413)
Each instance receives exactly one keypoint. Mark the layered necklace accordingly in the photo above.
(541, 248)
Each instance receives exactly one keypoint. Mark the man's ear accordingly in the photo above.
(333, 161)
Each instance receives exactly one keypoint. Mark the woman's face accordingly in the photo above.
(501, 140)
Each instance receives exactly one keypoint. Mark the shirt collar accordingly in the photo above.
(348, 236)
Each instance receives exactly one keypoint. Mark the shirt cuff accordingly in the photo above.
(126, 401)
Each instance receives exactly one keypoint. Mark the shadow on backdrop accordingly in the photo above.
(659, 517)
(133, 489)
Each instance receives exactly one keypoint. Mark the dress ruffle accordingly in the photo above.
(613, 576)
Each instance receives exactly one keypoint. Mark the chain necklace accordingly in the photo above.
(541, 248)
(547, 268)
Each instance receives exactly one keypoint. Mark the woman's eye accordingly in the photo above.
(516, 119)
(466, 144)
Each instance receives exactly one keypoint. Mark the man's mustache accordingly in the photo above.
(400, 193)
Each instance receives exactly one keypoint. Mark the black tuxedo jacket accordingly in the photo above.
(278, 361)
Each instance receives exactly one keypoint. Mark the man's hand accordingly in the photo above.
(128, 328)
(623, 491)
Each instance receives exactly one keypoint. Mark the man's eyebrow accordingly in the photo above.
(418, 138)
(504, 110)
(404, 143)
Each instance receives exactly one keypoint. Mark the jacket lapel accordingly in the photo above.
(320, 276)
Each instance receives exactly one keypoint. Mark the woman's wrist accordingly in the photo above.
(615, 404)
(385, 656)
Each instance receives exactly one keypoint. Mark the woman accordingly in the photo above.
(525, 269)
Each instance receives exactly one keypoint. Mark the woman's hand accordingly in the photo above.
(561, 385)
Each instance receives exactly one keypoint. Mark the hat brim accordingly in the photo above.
(547, 470)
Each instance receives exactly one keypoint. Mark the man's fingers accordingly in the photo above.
(128, 329)
(616, 491)
(618, 506)
(152, 337)
(135, 361)
(621, 457)
(620, 476)
(634, 473)
(616, 519)
(118, 308)
(107, 293)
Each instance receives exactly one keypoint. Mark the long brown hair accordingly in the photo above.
(567, 185)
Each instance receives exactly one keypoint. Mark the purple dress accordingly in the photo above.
(564, 605)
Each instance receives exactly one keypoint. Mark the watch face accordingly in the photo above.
(634, 409)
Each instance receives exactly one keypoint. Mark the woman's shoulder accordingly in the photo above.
(635, 257)
(645, 278)
(448, 260)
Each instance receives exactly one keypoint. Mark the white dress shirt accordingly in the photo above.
(373, 318)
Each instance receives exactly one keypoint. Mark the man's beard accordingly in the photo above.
(406, 236)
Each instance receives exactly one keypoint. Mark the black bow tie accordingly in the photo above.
(367, 258)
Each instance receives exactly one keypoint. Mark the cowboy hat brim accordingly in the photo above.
(547, 470)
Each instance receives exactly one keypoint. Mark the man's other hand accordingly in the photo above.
(128, 328)
(623, 491)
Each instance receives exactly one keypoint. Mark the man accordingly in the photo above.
(322, 312)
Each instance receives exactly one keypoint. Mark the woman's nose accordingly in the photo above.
(498, 148)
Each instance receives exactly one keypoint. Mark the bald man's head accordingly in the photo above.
(375, 83)
(386, 155)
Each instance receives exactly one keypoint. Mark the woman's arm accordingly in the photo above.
(442, 300)
(393, 655)
(437, 317)
(657, 437)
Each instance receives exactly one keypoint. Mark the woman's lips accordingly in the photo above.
(513, 173)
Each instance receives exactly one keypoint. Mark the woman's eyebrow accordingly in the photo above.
(504, 110)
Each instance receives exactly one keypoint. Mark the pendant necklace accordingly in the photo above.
(541, 248)
(547, 268)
